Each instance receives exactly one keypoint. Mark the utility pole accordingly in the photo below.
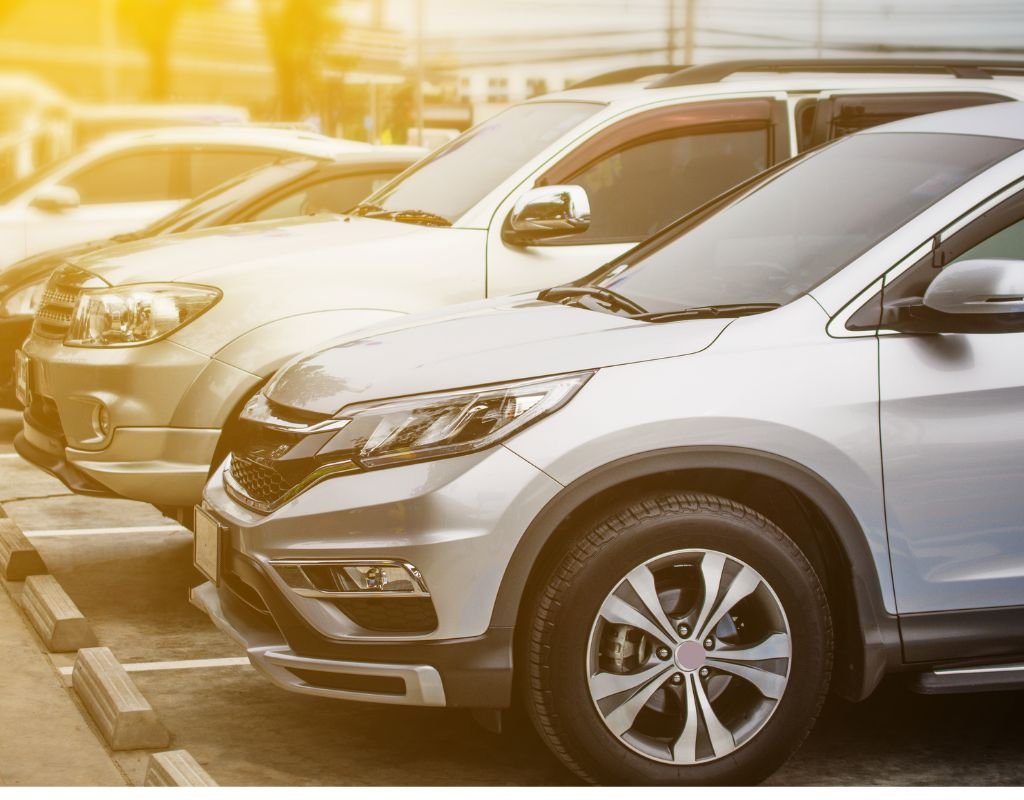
(670, 45)
(419, 70)
(820, 38)
(689, 36)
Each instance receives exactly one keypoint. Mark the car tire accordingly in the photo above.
(586, 664)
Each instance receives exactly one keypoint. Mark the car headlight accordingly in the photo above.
(431, 426)
(136, 314)
(24, 301)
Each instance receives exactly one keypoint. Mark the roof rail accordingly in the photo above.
(712, 73)
(627, 75)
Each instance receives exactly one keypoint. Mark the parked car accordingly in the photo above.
(780, 442)
(297, 186)
(124, 182)
(141, 354)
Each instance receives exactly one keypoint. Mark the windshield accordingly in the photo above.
(455, 178)
(779, 241)
(226, 196)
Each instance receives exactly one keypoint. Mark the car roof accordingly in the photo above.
(640, 86)
(380, 153)
(634, 93)
(284, 139)
(1004, 120)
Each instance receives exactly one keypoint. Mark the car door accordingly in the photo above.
(832, 114)
(952, 436)
(640, 174)
(119, 193)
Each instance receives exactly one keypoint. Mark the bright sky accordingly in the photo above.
(778, 27)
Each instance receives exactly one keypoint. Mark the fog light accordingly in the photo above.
(102, 420)
(369, 578)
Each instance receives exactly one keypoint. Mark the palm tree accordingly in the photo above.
(152, 23)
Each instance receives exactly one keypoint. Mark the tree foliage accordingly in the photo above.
(297, 32)
(151, 24)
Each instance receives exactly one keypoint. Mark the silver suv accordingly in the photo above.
(778, 445)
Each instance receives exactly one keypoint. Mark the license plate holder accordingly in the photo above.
(206, 546)
(22, 378)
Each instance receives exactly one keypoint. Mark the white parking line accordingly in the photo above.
(104, 531)
(159, 666)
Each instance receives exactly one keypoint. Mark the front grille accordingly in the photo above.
(261, 483)
(59, 300)
(390, 614)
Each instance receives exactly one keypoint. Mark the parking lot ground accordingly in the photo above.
(43, 736)
(129, 570)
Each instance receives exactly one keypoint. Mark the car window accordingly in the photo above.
(819, 121)
(639, 189)
(216, 206)
(455, 178)
(791, 232)
(335, 195)
(209, 168)
(133, 177)
(1007, 243)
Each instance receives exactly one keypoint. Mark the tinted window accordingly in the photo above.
(128, 178)
(216, 206)
(778, 241)
(1007, 243)
(640, 189)
(210, 168)
(455, 178)
(334, 196)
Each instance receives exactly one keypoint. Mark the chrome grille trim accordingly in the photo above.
(237, 492)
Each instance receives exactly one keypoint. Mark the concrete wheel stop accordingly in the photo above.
(124, 717)
(54, 615)
(176, 768)
(18, 558)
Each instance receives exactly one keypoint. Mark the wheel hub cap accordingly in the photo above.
(690, 656)
(695, 698)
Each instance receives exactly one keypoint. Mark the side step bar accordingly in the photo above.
(959, 680)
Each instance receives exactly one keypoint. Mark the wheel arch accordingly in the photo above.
(796, 498)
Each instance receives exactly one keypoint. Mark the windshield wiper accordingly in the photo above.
(612, 298)
(365, 209)
(419, 217)
(413, 215)
(719, 310)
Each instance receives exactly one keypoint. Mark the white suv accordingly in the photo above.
(124, 182)
(141, 354)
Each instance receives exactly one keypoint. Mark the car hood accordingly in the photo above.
(476, 344)
(225, 255)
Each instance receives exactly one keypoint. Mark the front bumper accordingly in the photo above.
(457, 520)
(404, 684)
(166, 405)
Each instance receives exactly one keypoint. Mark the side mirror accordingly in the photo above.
(54, 199)
(548, 211)
(984, 295)
(978, 286)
